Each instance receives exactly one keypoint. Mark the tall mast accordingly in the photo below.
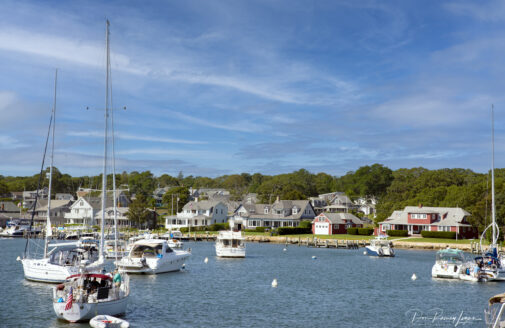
(493, 208)
(104, 176)
(49, 230)
(114, 195)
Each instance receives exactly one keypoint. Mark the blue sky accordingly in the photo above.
(223, 87)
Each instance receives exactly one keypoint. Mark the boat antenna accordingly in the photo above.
(39, 182)
(104, 176)
(49, 230)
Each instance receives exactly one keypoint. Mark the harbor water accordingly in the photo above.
(337, 288)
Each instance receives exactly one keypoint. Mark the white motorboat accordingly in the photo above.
(471, 271)
(152, 256)
(172, 242)
(83, 296)
(17, 228)
(380, 246)
(449, 264)
(108, 321)
(230, 244)
(112, 253)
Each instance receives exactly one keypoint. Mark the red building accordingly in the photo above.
(334, 223)
(418, 218)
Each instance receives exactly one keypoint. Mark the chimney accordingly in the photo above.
(420, 205)
(278, 199)
(196, 199)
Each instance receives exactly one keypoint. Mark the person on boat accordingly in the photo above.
(117, 278)
(94, 285)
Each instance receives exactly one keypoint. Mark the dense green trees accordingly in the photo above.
(179, 196)
(393, 189)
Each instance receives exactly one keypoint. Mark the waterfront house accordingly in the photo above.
(282, 213)
(198, 213)
(122, 219)
(415, 219)
(9, 211)
(84, 210)
(335, 223)
(366, 205)
(29, 197)
(333, 202)
(58, 210)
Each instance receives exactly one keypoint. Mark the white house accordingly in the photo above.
(198, 213)
(58, 210)
(282, 213)
(122, 219)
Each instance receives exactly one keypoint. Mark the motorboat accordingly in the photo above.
(490, 265)
(83, 296)
(230, 244)
(61, 261)
(471, 271)
(108, 321)
(449, 264)
(110, 249)
(380, 246)
(172, 242)
(152, 256)
(17, 228)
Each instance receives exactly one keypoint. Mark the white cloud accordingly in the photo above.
(126, 136)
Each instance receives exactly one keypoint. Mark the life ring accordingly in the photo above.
(380, 251)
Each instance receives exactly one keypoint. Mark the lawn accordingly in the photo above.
(441, 240)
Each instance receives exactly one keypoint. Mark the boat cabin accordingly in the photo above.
(150, 248)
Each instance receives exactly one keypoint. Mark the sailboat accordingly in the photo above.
(492, 263)
(59, 260)
(85, 295)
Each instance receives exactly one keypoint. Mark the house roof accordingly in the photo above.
(95, 202)
(258, 210)
(448, 216)
(8, 207)
(342, 218)
(54, 204)
(201, 205)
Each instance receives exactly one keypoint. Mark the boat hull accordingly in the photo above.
(379, 251)
(446, 271)
(168, 263)
(86, 311)
(231, 252)
(41, 270)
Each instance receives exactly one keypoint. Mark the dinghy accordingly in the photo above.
(108, 321)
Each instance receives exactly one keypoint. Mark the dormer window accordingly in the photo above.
(266, 210)
(295, 210)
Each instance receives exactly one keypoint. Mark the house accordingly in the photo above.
(29, 196)
(64, 196)
(122, 219)
(158, 195)
(334, 202)
(9, 211)
(366, 205)
(335, 223)
(198, 213)
(84, 209)
(415, 219)
(207, 192)
(58, 210)
(282, 213)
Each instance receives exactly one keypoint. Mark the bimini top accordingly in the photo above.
(91, 275)
(500, 298)
(230, 235)
(150, 242)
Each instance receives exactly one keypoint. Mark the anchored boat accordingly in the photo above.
(230, 244)
(380, 246)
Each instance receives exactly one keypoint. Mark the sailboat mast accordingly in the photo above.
(49, 230)
(104, 176)
(493, 208)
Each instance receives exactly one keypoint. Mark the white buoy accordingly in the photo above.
(314, 257)
(183, 266)
(284, 249)
(364, 252)
(206, 260)
(18, 259)
(414, 277)
(274, 283)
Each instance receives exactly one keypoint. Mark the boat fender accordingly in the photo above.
(392, 252)
(380, 251)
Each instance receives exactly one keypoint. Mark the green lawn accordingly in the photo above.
(441, 240)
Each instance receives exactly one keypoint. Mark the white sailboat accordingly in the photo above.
(61, 260)
(85, 295)
(491, 263)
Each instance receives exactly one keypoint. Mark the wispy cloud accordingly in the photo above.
(126, 136)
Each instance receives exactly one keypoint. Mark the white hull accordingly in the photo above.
(169, 262)
(43, 271)
(104, 321)
(380, 251)
(223, 251)
(86, 311)
(446, 271)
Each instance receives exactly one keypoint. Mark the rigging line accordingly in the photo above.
(32, 208)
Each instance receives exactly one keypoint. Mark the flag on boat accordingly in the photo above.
(70, 299)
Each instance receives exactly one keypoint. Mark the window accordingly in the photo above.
(295, 210)
(266, 210)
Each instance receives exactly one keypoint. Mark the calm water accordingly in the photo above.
(341, 288)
